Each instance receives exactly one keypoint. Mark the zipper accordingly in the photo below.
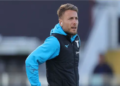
(74, 65)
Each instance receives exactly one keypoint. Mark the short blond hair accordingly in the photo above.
(65, 7)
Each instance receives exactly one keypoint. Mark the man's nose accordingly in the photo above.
(75, 21)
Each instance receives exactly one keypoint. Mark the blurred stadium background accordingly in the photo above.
(24, 25)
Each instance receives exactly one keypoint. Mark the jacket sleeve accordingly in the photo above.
(48, 50)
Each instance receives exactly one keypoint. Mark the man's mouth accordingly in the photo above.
(74, 27)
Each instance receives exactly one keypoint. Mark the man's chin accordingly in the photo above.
(71, 33)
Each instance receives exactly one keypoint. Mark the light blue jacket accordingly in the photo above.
(48, 50)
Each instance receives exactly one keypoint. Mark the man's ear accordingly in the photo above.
(61, 23)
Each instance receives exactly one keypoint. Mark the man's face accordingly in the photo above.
(70, 22)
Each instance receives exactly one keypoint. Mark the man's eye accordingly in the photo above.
(70, 18)
(76, 18)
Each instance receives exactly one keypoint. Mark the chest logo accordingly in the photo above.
(67, 45)
(77, 42)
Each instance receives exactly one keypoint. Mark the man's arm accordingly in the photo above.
(48, 50)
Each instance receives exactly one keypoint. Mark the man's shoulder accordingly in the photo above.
(51, 39)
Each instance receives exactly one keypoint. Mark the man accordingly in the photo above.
(60, 51)
(103, 67)
(104, 70)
